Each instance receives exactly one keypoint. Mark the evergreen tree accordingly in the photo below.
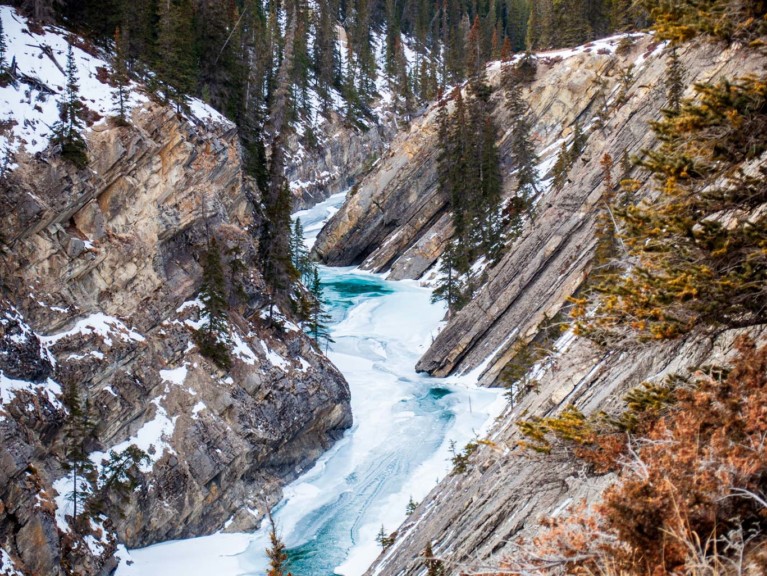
(326, 58)
(78, 430)
(299, 253)
(674, 80)
(42, 11)
(412, 506)
(727, 20)
(213, 336)
(174, 51)
(561, 167)
(276, 553)
(67, 132)
(523, 156)
(686, 268)
(448, 286)
(474, 60)
(579, 142)
(318, 321)
(120, 79)
(118, 476)
(533, 32)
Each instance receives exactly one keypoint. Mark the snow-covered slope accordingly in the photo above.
(29, 105)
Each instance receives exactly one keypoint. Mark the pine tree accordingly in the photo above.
(78, 429)
(174, 51)
(118, 477)
(561, 167)
(447, 287)
(42, 11)
(120, 79)
(318, 321)
(299, 253)
(276, 553)
(686, 268)
(533, 32)
(523, 156)
(213, 336)
(674, 80)
(474, 59)
(383, 540)
(67, 132)
(579, 142)
(326, 59)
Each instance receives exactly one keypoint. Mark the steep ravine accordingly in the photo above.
(398, 223)
(100, 270)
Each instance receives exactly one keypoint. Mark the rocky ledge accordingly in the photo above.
(100, 275)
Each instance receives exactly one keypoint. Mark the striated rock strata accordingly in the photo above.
(100, 271)
(398, 223)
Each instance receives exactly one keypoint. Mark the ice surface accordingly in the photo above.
(398, 447)
(215, 555)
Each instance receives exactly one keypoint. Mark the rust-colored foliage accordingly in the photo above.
(704, 468)
(690, 498)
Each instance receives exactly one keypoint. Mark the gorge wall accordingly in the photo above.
(101, 268)
(398, 223)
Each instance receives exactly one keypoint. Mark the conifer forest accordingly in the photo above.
(383, 287)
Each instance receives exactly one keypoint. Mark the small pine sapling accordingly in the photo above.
(120, 79)
(67, 132)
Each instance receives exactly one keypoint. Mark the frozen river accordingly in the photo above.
(398, 447)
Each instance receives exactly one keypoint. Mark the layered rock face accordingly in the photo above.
(475, 519)
(336, 157)
(101, 268)
(398, 223)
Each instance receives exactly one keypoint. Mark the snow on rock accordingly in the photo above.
(98, 323)
(274, 358)
(31, 103)
(174, 376)
(9, 387)
(199, 407)
(304, 365)
(26, 335)
(153, 438)
(64, 505)
(242, 350)
(7, 567)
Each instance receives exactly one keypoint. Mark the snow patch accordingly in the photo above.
(100, 324)
(274, 358)
(152, 438)
(175, 376)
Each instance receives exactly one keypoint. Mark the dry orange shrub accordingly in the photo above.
(692, 491)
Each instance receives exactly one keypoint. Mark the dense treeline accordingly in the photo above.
(228, 51)
(267, 63)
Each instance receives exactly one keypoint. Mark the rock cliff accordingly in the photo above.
(100, 273)
(397, 223)
(336, 156)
